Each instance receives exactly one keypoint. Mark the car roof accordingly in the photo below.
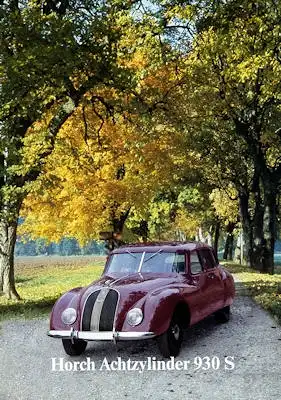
(157, 246)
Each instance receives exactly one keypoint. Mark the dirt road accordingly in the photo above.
(251, 340)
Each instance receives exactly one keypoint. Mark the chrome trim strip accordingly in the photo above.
(96, 311)
(117, 305)
(107, 335)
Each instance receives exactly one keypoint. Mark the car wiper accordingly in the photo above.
(154, 254)
(132, 254)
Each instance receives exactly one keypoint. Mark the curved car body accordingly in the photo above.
(145, 291)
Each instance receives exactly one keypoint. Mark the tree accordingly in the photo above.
(52, 55)
(233, 86)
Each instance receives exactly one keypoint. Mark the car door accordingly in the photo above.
(213, 288)
(197, 298)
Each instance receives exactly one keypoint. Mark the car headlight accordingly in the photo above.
(135, 316)
(69, 316)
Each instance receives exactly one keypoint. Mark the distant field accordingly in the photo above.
(41, 280)
(29, 262)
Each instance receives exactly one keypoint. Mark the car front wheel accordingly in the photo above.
(169, 342)
(74, 347)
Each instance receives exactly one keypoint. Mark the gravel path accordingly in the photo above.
(251, 337)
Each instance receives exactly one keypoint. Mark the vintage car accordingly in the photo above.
(153, 290)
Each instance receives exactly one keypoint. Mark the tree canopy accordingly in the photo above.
(148, 114)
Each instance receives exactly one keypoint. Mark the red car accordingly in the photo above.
(146, 291)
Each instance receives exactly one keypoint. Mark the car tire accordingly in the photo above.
(169, 342)
(74, 347)
(223, 315)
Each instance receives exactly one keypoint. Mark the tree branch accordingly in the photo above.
(63, 113)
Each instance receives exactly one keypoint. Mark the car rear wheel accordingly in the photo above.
(169, 342)
(223, 314)
(74, 347)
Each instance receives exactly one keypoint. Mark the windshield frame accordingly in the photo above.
(142, 260)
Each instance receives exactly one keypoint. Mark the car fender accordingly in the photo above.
(67, 300)
(158, 308)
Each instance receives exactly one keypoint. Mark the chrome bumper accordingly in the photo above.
(106, 335)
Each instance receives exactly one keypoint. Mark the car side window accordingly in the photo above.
(195, 264)
(179, 263)
(207, 259)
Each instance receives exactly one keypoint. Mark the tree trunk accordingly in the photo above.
(257, 224)
(260, 231)
(141, 230)
(246, 225)
(229, 243)
(228, 248)
(8, 233)
(209, 238)
(200, 235)
(231, 247)
(118, 225)
(216, 237)
(144, 230)
(269, 221)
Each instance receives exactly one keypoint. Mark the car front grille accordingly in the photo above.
(99, 310)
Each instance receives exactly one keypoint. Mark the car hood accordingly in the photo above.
(133, 287)
(138, 282)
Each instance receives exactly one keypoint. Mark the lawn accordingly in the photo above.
(41, 280)
(265, 289)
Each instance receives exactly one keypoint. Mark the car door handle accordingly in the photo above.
(211, 275)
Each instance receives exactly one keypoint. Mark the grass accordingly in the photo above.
(41, 282)
(265, 289)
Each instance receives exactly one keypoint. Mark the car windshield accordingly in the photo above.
(160, 262)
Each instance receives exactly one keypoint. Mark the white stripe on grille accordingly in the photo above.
(96, 313)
